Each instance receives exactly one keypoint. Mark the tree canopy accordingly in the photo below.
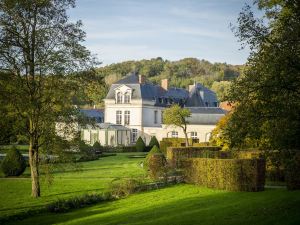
(267, 95)
(177, 116)
(39, 48)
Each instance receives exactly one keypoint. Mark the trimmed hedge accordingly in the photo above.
(14, 163)
(153, 142)
(174, 142)
(226, 174)
(176, 154)
(140, 145)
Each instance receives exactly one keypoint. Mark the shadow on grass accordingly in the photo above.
(269, 207)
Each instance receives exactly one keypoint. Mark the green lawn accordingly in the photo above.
(186, 205)
(93, 176)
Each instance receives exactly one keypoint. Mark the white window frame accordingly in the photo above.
(119, 97)
(119, 117)
(127, 97)
(134, 135)
(194, 135)
(174, 134)
(127, 117)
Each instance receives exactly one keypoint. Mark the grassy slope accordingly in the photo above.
(187, 204)
(93, 176)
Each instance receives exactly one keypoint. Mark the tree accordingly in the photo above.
(14, 163)
(177, 116)
(153, 142)
(38, 48)
(221, 89)
(267, 95)
(140, 145)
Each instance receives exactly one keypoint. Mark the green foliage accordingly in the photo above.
(87, 152)
(267, 94)
(140, 145)
(227, 174)
(173, 142)
(221, 88)
(97, 147)
(14, 163)
(154, 150)
(65, 205)
(177, 116)
(292, 169)
(157, 167)
(123, 187)
(153, 142)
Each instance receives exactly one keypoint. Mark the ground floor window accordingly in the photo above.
(194, 135)
(134, 134)
(174, 134)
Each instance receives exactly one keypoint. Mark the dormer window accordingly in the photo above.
(127, 97)
(119, 97)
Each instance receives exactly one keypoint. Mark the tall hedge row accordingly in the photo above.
(226, 174)
(175, 155)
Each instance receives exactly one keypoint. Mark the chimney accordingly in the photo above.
(164, 84)
(192, 86)
(141, 79)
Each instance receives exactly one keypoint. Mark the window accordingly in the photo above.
(155, 117)
(194, 135)
(119, 117)
(134, 134)
(119, 97)
(174, 134)
(216, 104)
(127, 97)
(206, 104)
(161, 117)
(127, 117)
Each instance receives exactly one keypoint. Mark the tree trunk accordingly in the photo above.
(34, 169)
(186, 138)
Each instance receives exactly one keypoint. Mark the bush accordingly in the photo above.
(14, 163)
(140, 145)
(227, 174)
(124, 187)
(174, 142)
(64, 205)
(87, 152)
(98, 149)
(292, 171)
(154, 150)
(157, 167)
(153, 142)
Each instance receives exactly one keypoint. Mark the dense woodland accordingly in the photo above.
(180, 74)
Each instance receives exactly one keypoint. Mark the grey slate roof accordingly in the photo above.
(201, 96)
(93, 113)
(130, 79)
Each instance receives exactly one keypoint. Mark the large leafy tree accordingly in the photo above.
(267, 95)
(38, 48)
(177, 116)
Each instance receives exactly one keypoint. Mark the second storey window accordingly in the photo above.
(119, 117)
(127, 117)
(155, 117)
(119, 97)
(174, 134)
(127, 97)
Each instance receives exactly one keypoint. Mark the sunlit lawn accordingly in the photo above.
(186, 205)
(93, 176)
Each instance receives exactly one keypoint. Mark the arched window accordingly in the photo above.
(127, 97)
(119, 97)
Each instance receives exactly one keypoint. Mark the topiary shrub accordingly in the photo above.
(87, 152)
(154, 150)
(153, 142)
(158, 167)
(98, 149)
(14, 163)
(140, 145)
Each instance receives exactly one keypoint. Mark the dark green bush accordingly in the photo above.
(65, 205)
(14, 163)
(227, 174)
(292, 171)
(87, 152)
(98, 149)
(153, 142)
(140, 145)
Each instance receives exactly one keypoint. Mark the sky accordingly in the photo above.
(121, 30)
